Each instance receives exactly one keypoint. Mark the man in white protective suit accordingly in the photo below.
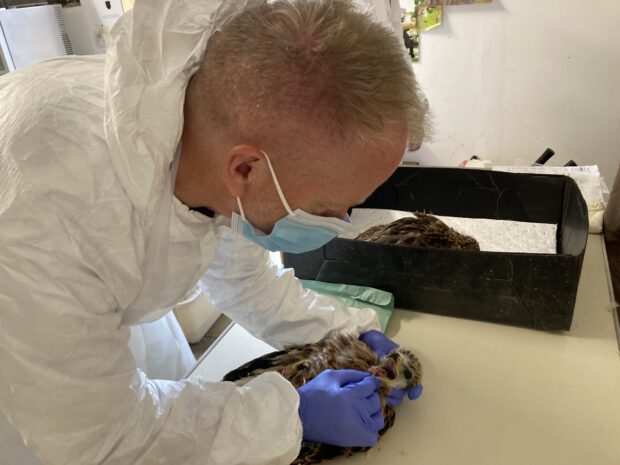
(211, 132)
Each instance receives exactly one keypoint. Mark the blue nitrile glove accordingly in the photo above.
(396, 396)
(378, 342)
(382, 345)
(341, 407)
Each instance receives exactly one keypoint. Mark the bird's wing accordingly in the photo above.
(268, 362)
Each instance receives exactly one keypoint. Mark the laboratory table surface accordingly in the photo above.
(494, 394)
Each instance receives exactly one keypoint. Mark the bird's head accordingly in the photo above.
(400, 369)
(466, 243)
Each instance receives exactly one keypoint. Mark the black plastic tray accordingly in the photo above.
(533, 290)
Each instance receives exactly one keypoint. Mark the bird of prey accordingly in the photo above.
(422, 230)
(399, 369)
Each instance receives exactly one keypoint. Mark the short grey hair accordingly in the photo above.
(327, 63)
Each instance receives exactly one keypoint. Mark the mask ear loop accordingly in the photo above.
(241, 212)
(278, 188)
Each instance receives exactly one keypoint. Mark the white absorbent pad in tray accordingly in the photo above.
(492, 235)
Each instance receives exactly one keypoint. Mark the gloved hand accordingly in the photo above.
(382, 345)
(396, 396)
(378, 342)
(341, 407)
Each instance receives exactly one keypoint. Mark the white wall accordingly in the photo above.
(508, 79)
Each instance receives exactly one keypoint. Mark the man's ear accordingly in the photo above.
(239, 166)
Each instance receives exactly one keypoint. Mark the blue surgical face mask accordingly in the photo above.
(297, 232)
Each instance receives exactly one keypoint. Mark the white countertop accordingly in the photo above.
(495, 394)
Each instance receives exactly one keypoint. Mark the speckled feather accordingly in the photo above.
(422, 230)
(300, 364)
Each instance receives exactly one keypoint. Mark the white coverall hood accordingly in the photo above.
(153, 51)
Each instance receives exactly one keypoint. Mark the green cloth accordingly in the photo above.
(380, 301)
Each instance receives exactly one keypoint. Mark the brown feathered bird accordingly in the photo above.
(422, 230)
(399, 369)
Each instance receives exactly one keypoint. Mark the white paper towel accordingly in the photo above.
(492, 235)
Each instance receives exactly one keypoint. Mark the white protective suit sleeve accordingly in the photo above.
(70, 385)
(270, 302)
